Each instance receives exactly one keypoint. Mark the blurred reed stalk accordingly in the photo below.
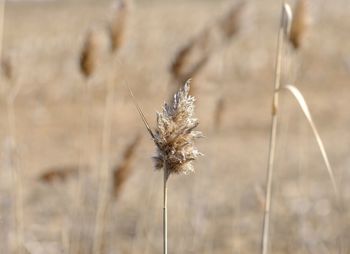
(15, 164)
(286, 16)
(11, 95)
(104, 173)
(2, 17)
(117, 28)
(174, 138)
(87, 63)
(192, 57)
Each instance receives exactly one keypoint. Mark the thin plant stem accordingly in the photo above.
(272, 146)
(86, 157)
(165, 212)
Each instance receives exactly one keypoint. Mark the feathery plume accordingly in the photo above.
(175, 135)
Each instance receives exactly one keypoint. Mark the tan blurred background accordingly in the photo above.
(219, 209)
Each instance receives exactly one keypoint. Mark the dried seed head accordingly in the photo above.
(88, 56)
(122, 171)
(193, 56)
(300, 23)
(231, 22)
(117, 25)
(175, 135)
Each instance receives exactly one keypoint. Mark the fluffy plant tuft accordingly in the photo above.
(175, 134)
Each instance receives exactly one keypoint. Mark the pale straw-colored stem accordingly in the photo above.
(165, 212)
(272, 147)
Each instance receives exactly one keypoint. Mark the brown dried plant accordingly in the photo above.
(118, 23)
(174, 135)
(231, 22)
(122, 171)
(300, 23)
(174, 138)
(59, 174)
(88, 56)
(192, 57)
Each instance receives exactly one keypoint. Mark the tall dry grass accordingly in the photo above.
(174, 138)
(284, 34)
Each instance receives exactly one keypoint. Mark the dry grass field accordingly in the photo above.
(53, 126)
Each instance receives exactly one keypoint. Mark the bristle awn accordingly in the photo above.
(271, 157)
(144, 120)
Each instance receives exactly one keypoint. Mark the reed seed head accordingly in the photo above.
(88, 56)
(300, 24)
(122, 171)
(117, 25)
(175, 135)
(231, 22)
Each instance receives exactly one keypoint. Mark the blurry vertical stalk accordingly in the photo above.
(16, 175)
(104, 184)
(2, 17)
(85, 158)
(283, 29)
(88, 63)
(117, 29)
(15, 167)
